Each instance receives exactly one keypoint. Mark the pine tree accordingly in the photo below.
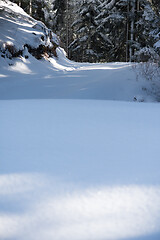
(147, 28)
(25, 4)
(84, 47)
(112, 24)
(101, 30)
(62, 21)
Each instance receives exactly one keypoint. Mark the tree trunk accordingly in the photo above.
(67, 28)
(132, 30)
(30, 7)
(127, 33)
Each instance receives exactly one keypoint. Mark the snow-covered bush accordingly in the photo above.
(150, 72)
(146, 54)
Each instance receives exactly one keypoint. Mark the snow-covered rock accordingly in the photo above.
(18, 30)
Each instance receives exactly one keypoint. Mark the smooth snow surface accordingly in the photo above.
(73, 169)
(82, 141)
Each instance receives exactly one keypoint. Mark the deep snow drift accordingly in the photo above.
(76, 163)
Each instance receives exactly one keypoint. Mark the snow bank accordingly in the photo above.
(19, 30)
(29, 78)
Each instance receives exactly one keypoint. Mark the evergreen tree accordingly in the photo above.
(84, 46)
(101, 30)
(112, 24)
(62, 20)
(147, 28)
(40, 9)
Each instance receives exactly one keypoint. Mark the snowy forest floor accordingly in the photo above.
(63, 79)
(72, 167)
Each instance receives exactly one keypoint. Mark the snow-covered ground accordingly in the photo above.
(62, 79)
(79, 159)
(79, 169)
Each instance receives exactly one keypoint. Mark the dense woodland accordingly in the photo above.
(102, 30)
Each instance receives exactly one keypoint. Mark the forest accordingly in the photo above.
(102, 30)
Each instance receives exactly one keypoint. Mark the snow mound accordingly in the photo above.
(19, 30)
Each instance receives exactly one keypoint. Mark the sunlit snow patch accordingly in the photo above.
(53, 210)
(21, 68)
(3, 76)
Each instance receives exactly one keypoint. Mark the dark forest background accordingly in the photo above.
(102, 30)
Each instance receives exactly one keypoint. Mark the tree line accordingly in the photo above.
(101, 30)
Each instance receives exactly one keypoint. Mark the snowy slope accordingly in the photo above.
(60, 78)
(19, 30)
(79, 159)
